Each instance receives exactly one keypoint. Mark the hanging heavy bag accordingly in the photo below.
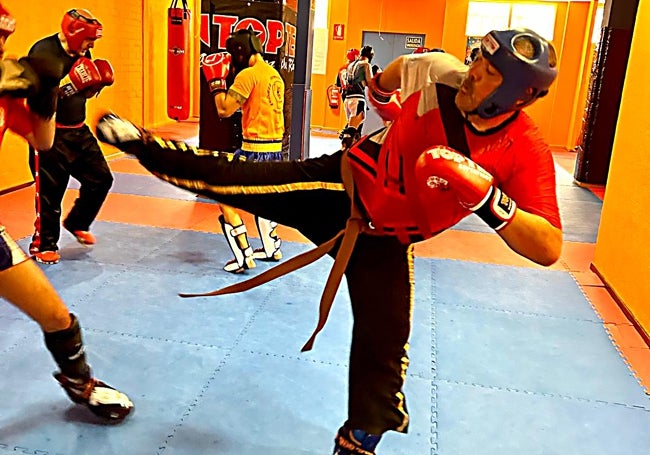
(178, 61)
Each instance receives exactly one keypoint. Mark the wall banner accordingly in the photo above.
(275, 25)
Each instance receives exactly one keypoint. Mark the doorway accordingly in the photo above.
(387, 47)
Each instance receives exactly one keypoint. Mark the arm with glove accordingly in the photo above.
(386, 101)
(37, 80)
(528, 234)
(217, 72)
(87, 77)
(105, 73)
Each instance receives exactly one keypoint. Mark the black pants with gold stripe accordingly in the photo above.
(309, 196)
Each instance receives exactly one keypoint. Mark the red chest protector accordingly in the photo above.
(384, 180)
(14, 115)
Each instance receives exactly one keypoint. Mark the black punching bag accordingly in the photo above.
(605, 91)
(222, 134)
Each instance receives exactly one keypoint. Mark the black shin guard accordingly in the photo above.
(67, 349)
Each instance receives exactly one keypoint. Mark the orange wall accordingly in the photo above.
(154, 61)
(369, 15)
(121, 45)
(135, 41)
(621, 256)
(443, 22)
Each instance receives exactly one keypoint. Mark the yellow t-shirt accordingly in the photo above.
(260, 91)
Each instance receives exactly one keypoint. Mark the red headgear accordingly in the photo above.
(79, 25)
(7, 22)
(352, 54)
(421, 50)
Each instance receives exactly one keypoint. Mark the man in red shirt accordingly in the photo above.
(457, 143)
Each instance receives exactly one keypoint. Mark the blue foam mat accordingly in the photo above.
(504, 359)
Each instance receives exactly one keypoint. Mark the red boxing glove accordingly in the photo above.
(216, 68)
(387, 104)
(107, 78)
(105, 71)
(84, 74)
(442, 167)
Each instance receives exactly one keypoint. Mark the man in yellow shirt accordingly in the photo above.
(258, 90)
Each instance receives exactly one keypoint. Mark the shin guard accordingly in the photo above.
(76, 379)
(243, 256)
(270, 250)
(67, 349)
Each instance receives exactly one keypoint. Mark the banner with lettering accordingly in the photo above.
(275, 25)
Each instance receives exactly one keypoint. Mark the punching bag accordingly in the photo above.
(178, 61)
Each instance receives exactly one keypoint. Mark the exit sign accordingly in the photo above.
(413, 42)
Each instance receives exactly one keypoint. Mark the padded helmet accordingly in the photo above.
(524, 78)
(7, 22)
(352, 54)
(79, 25)
(241, 45)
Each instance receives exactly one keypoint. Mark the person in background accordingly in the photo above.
(458, 143)
(472, 55)
(75, 152)
(28, 98)
(358, 74)
(342, 82)
(258, 90)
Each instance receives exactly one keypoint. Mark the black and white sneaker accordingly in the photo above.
(102, 399)
(116, 131)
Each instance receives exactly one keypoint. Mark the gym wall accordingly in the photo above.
(135, 41)
(122, 44)
(621, 258)
(559, 115)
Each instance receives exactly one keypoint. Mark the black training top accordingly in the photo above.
(70, 110)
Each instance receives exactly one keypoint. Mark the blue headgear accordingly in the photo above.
(520, 73)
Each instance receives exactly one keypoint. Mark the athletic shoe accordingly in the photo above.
(116, 131)
(102, 399)
(233, 267)
(354, 442)
(34, 247)
(84, 237)
(260, 254)
(47, 257)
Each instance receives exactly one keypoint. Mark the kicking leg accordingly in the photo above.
(25, 286)
(379, 278)
(307, 195)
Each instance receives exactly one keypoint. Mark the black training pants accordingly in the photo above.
(309, 196)
(75, 153)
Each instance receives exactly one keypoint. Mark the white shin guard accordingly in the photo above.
(243, 257)
(270, 250)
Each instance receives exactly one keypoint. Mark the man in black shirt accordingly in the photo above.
(75, 152)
